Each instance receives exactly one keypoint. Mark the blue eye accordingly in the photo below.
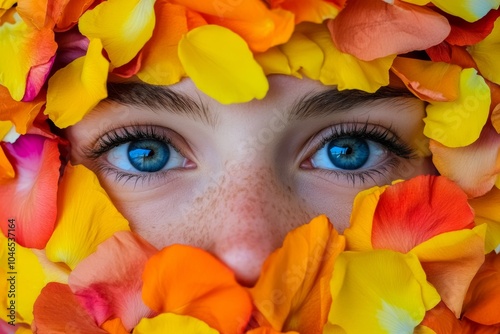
(148, 155)
(145, 155)
(349, 153)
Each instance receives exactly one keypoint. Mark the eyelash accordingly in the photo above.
(376, 133)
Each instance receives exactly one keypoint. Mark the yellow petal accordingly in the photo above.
(77, 88)
(221, 65)
(124, 26)
(457, 254)
(85, 218)
(378, 292)
(459, 123)
(484, 54)
(22, 47)
(359, 233)
(469, 10)
(295, 302)
(173, 323)
(304, 56)
(30, 271)
(273, 61)
(487, 210)
(160, 62)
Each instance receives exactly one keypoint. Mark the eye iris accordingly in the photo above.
(348, 153)
(148, 155)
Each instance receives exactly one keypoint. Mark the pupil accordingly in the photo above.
(148, 155)
(348, 153)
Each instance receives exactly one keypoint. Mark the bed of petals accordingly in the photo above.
(412, 260)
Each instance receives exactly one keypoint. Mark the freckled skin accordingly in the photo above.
(247, 189)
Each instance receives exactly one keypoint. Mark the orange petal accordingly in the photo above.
(160, 62)
(99, 284)
(114, 326)
(68, 12)
(487, 210)
(57, 311)
(474, 168)
(441, 320)
(299, 301)
(430, 81)
(22, 114)
(374, 29)
(30, 197)
(6, 170)
(465, 33)
(483, 298)
(259, 26)
(411, 212)
(188, 281)
(311, 10)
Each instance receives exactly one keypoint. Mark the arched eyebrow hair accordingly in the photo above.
(311, 105)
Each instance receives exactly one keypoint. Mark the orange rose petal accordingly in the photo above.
(414, 211)
(441, 320)
(487, 210)
(363, 28)
(188, 281)
(22, 114)
(57, 311)
(474, 168)
(495, 118)
(69, 12)
(482, 301)
(114, 326)
(285, 302)
(6, 170)
(33, 12)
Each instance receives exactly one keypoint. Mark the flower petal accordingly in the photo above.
(188, 281)
(67, 15)
(442, 320)
(22, 114)
(30, 197)
(311, 10)
(299, 300)
(459, 123)
(411, 212)
(487, 212)
(363, 26)
(221, 65)
(483, 298)
(99, 284)
(393, 300)
(173, 323)
(464, 33)
(484, 54)
(160, 61)
(57, 311)
(23, 46)
(469, 10)
(430, 81)
(304, 56)
(76, 89)
(86, 217)
(457, 254)
(6, 170)
(124, 26)
(474, 168)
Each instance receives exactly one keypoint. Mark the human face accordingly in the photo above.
(234, 179)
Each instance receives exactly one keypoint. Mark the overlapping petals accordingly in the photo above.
(173, 323)
(30, 197)
(362, 28)
(469, 10)
(487, 211)
(221, 65)
(484, 54)
(298, 299)
(310, 11)
(188, 281)
(87, 78)
(21, 114)
(86, 217)
(394, 299)
(25, 47)
(124, 26)
(459, 123)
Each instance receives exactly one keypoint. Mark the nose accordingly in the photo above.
(254, 210)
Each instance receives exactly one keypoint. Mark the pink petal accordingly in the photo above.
(30, 197)
(99, 284)
(36, 79)
(371, 29)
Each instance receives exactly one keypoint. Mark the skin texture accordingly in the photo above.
(247, 178)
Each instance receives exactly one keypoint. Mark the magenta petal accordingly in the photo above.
(99, 284)
(31, 197)
(36, 79)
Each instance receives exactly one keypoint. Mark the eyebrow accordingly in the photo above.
(311, 105)
(159, 98)
(321, 104)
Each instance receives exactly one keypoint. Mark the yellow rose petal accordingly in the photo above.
(469, 10)
(304, 56)
(485, 54)
(85, 218)
(221, 65)
(173, 323)
(459, 123)
(124, 26)
(77, 88)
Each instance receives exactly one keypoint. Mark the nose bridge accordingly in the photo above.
(253, 211)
